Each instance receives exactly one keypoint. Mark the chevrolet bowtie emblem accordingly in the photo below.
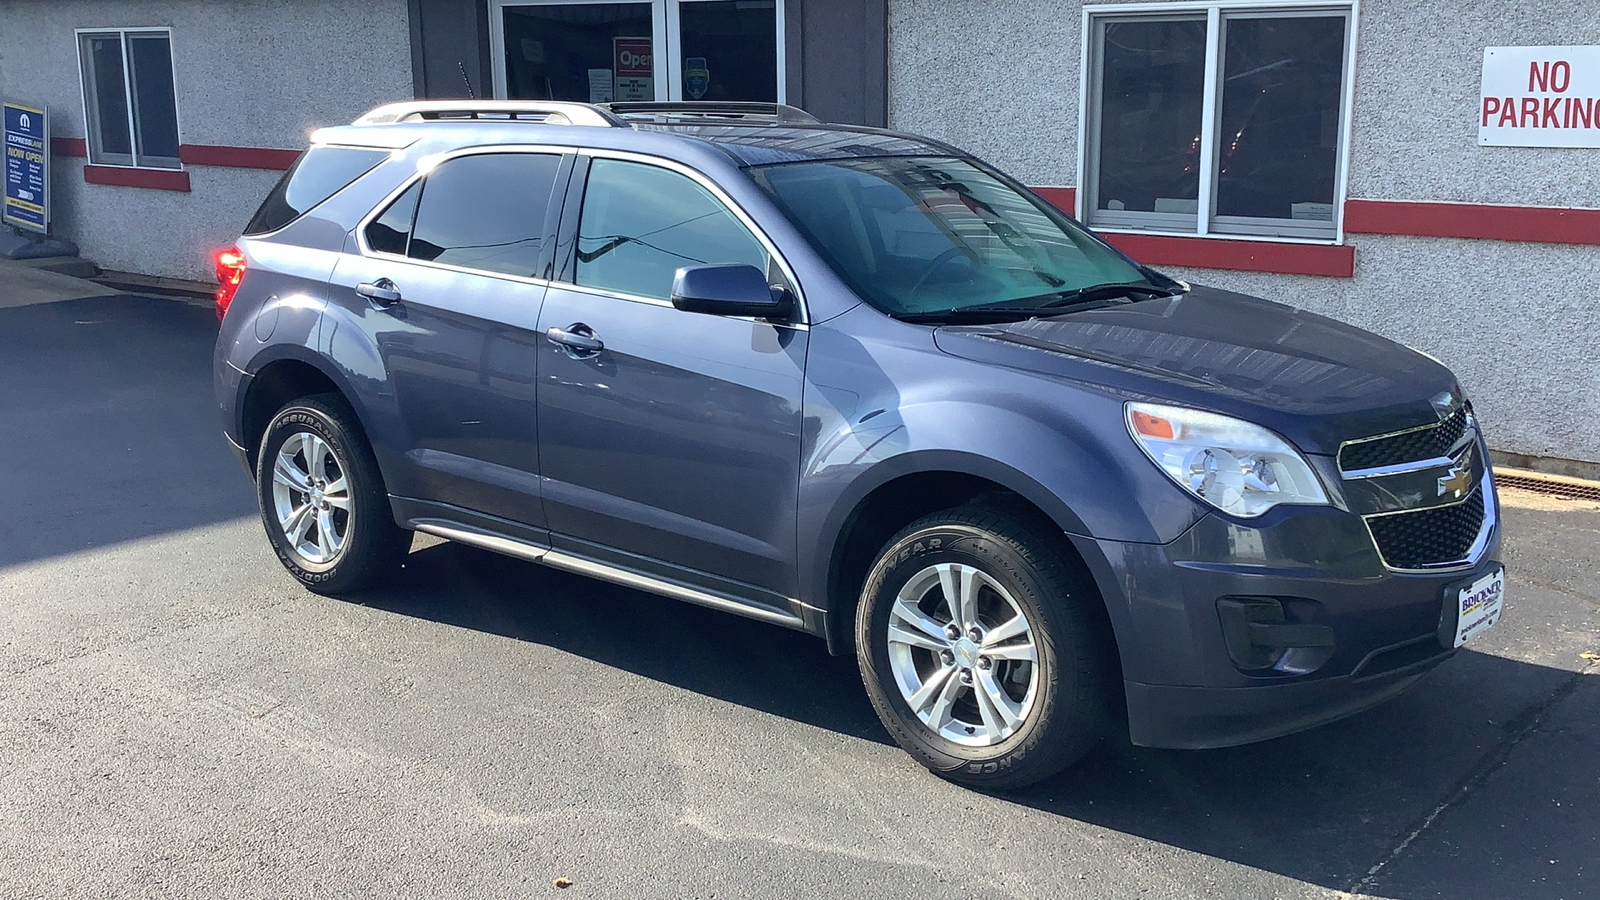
(1457, 482)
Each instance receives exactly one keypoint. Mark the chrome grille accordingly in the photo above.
(1440, 536)
(1430, 442)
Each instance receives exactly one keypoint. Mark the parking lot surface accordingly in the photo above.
(178, 718)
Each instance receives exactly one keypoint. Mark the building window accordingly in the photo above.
(1217, 118)
(593, 51)
(130, 108)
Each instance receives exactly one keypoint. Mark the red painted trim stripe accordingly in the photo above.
(1063, 198)
(156, 179)
(197, 154)
(1548, 224)
(1334, 260)
(73, 147)
(237, 157)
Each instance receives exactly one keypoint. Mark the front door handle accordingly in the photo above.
(382, 293)
(577, 339)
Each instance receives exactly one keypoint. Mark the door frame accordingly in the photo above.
(665, 21)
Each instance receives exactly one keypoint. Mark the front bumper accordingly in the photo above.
(1382, 629)
(1199, 718)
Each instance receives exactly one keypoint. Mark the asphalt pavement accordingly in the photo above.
(179, 719)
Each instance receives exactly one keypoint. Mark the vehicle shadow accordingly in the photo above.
(1322, 807)
(111, 433)
(756, 665)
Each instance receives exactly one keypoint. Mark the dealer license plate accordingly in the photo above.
(1478, 605)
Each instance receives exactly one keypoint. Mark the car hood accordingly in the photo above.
(1316, 381)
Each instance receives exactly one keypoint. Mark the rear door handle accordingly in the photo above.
(382, 293)
(577, 339)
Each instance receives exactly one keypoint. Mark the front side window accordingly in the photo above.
(641, 223)
(129, 98)
(915, 235)
(1249, 144)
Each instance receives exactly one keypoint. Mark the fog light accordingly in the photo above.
(1261, 635)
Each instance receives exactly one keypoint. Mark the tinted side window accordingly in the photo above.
(318, 174)
(389, 232)
(640, 223)
(486, 212)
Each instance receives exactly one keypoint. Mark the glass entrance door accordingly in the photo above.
(725, 50)
(588, 52)
(596, 52)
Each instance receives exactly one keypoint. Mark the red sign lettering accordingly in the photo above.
(1530, 112)
(1552, 113)
(1561, 76)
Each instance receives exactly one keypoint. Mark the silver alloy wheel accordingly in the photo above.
(311, 497)
(963, 655)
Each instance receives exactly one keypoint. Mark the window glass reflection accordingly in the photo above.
(155, 102)
(641, 223)
(588, 52)
(108, 101)
(730, 50)
(1152, 80)
(486, 212)
(390, 232)
(1277, 151)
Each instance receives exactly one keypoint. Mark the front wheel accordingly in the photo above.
(981, 651)
(322, 499)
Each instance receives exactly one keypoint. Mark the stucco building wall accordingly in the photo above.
(1514, 320)
(256, 73)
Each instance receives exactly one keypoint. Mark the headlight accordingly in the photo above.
(1242, 469)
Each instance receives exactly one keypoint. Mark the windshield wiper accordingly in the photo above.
(1094, 296)
(1132, 290)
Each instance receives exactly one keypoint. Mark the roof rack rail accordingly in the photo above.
(540, 111)
(727, 110)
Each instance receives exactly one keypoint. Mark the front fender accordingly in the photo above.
(902, 407)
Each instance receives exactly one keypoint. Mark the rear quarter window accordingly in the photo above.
(318, 174)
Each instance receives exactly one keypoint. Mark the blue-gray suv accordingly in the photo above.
(859, 384)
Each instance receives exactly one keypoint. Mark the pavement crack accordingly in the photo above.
(1519, 729)
(1556, 588)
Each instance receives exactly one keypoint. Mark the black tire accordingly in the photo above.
(1066, 697)
(364, 543)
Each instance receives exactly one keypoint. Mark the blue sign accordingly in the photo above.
(696, 77)
(27, 149)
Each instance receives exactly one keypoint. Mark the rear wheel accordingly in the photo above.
(322, 499)
(981, 652)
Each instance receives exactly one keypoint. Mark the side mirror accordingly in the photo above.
(729, 290)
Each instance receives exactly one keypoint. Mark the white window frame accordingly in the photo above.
(91, 115)
(1205, 218)
(665, 42)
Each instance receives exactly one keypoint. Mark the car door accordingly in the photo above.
(669, 440)
(448, 289)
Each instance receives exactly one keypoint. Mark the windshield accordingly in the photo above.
(919, 235)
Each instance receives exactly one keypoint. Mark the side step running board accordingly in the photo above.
(499, 543)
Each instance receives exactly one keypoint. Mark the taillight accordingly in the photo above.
(230, 269)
